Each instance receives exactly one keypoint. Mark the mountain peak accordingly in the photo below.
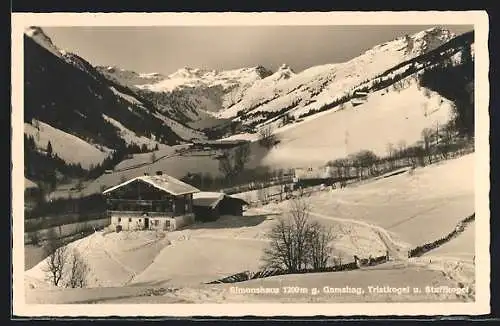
(284, 67)
(263, 72)
(283, 72)
(37, 34)
(427, 40)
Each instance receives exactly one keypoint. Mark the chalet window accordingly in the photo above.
(140, 220)
(156, 222)
(119, 219)
(130, 219)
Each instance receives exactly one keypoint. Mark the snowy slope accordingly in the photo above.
(37, 34)
(183, 131)
(317, 86)
(189, 94)
(392, 116)
(192, 77)
(131, 137)
(257, 91)
(68, 147)
(404, 205)
(88, 96)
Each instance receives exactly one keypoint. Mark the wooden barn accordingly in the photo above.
(32, 194)
(209, 206)
(359, 98)
(158, 202)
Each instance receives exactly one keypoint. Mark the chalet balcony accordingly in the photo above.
(152, 207)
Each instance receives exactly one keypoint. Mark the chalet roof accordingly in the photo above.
(163, 182)
(212, 199)
(28, 184)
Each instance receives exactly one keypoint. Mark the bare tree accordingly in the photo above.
(427, 139)
(57, 258)
(233, 162)
(343, 167)
(446, 143)
(319, 240)
(77, 275)
(267, 137)
(365, 159)
(296, 243)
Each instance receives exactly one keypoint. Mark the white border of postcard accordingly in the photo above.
(477, 18)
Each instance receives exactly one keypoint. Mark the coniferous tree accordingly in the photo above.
(49, 149)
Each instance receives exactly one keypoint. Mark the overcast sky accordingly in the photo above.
(166, 49)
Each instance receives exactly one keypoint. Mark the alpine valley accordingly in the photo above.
(106, 118)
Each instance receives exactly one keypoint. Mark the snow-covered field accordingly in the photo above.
(392, 276)
(68, 147)
(114, 258)
(439, 195)
(387, 214)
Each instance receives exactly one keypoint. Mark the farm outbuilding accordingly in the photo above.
(209, 206)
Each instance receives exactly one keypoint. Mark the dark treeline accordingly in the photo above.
(456, 83)
(436, 145)
(45, 166)
(81, 206)
(208, 182)
(71, 95)
(420, 250)
(74, 97)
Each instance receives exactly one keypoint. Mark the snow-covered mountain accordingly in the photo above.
(109, 107)
(255, 95)
(320, 85)
(74, 107)
(190, 94)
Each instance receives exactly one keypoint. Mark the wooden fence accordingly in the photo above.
(247, 275)
(415, 252)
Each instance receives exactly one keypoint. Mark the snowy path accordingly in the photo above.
(386, 238)
(215, 237)
(453, 267)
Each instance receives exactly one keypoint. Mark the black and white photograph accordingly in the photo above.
(173, 161)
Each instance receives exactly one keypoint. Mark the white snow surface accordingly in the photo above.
(393, 117)
(322, 84)
(131, 137)
(181, 130)
(190, 77)
(70, 148)
(392, 214)
(128, 98)
(37, 35)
